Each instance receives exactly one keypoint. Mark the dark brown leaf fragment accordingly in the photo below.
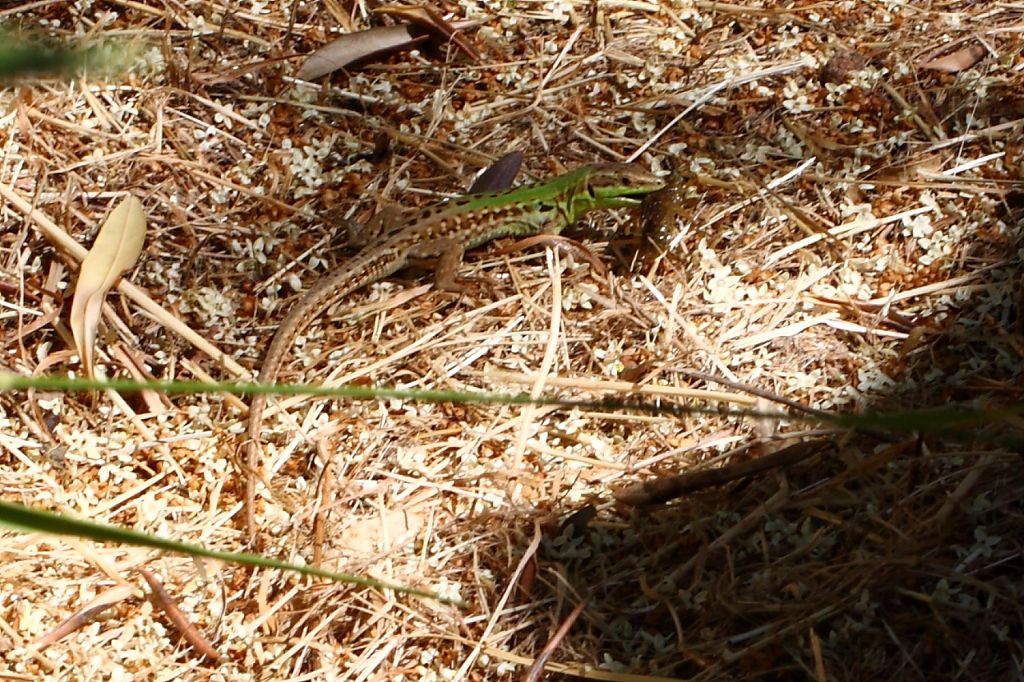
(429, 19)
(499, 175)
(839, 67)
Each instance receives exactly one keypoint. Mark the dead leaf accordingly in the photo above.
(500, 175)
(428, 18)
(117, 248)
(958, 61)
(841, 64)
(356, 47)
(85, 615)
(362, 46)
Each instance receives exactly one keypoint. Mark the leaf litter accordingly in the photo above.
(843, 237)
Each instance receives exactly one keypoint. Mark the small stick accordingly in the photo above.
(161, 598)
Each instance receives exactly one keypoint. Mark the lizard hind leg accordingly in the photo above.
(448, 253)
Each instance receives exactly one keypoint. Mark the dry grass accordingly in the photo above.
(893, 558)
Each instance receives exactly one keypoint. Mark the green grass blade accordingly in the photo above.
(29, 520)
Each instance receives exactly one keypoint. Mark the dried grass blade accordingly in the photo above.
(536, 671)
(116, 249)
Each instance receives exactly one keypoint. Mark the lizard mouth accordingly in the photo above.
(635, 196)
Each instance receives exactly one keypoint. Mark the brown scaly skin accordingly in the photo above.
(445, 231)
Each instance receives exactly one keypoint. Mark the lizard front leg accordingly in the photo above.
(363, 234)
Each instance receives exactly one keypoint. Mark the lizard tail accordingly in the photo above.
(368, 266)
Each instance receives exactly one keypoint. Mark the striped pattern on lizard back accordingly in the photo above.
(445, 230)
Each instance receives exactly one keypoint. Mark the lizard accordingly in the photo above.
(445, 231)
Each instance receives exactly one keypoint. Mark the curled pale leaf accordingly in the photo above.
(958, 61)
(87, 614)
(364, 46)
(117, 248)
(357, 47)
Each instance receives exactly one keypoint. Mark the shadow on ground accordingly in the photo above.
(892, 555)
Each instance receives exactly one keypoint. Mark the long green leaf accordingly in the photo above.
(930, 420)
(29, 520)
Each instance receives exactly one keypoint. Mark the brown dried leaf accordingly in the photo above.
(428, 18)
(117, 248)
(361, 46)
(355, 47)
(85, 615)
(958, 61)
(843, 63)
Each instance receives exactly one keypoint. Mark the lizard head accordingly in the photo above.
(613, 185)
